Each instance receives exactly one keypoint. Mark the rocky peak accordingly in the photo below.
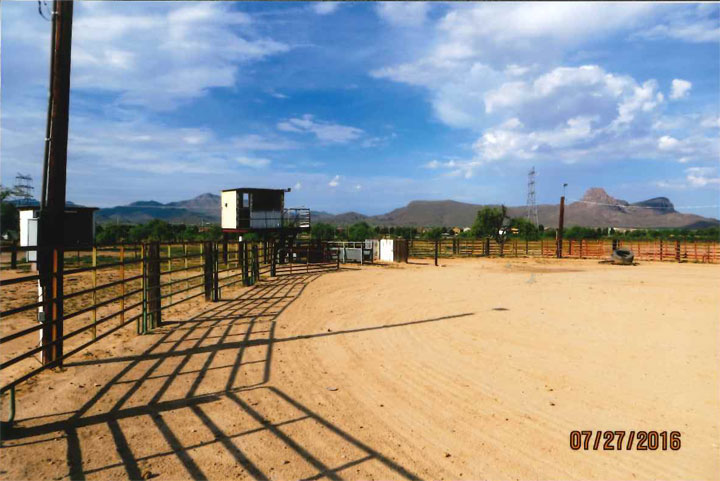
(597, 195)
(659, 204)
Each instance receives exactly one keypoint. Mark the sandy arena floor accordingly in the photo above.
(478, 369)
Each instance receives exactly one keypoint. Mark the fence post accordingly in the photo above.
(52, 332)
(94, 293)
(256, 263)
(436, 252)
(245, 269)
(677, 250)
(154, 290)
(206, 250)
(122, 284)
(58, 303)
(273, 261)
(169, 265)
(142, 322)
(216, 273)
(225, 248)
(185, 263)
(13, 256)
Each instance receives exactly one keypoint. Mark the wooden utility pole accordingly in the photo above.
(52, 209)
(561, 222)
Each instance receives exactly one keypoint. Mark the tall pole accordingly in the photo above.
(52, 210)
(561, 222)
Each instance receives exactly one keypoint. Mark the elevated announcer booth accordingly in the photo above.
(262, 212)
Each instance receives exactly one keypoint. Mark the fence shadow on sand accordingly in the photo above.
(164, 413)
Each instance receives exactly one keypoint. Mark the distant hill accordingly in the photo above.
(430, 213)
(207, 204)
(203, 208)
(596, 209)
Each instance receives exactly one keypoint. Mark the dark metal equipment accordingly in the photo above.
(623, 256)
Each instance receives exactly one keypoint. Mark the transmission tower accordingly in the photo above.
(532, 210)
(23, 188)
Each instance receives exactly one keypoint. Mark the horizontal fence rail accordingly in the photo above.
(92, 292)
(659, 250)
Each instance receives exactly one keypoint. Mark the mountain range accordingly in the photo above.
(596, 209)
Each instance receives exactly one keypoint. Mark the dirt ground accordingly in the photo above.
(478, 369)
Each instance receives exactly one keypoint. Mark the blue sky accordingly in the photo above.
(366, 106)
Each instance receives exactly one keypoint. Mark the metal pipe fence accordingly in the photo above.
(658, 250)
(46, 317)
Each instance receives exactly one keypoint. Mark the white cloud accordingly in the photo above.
(573, 91)
(278, 95)
(560, 21)
(497, 69)
(324, 131)
(161, 55)
(696, 25)
(251, 142)
(325, 7)
(668, 143)
(680, 88)
(437, 164)
(710, 121)
(335, 181)
(404, 14)
(702, 176)
(253, 162)
(433, 164)
(297, 186)
(378, 141)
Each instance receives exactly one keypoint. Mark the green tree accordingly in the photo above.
(190, 233)
(526, 229)
(9, 215)
(360, 231)
(407, 233)
(213, 233)
(490, 222)
(112, 234)
(433, 234)
(322, 231)
(159, 230)
(138, 233)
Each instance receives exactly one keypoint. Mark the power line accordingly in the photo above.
(40, 4)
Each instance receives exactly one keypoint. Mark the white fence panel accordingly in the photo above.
(386, 250)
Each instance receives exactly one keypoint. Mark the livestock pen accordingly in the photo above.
(658, 250)
(102, 289)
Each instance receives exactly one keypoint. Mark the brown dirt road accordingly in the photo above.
(475, 370)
